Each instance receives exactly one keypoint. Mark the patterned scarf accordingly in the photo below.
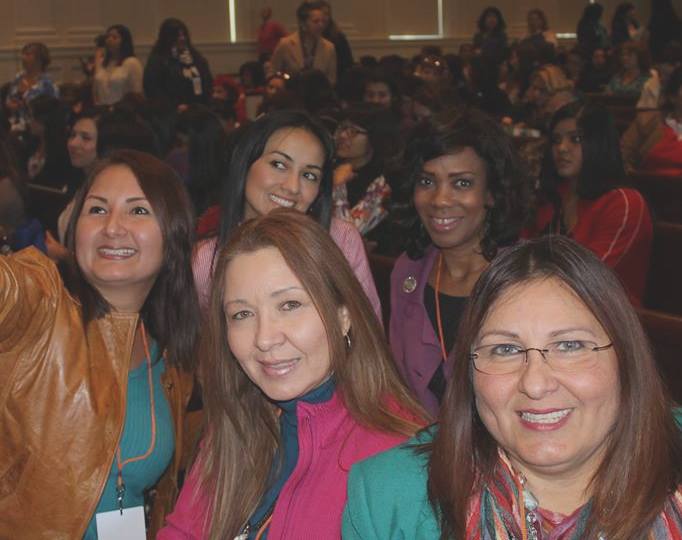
(499, 513)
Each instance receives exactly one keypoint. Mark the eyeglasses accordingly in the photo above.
(350, 129)
(568, 356)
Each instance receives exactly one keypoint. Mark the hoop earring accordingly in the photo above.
(349, 343)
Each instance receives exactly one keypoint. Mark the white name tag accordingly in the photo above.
(116, 526)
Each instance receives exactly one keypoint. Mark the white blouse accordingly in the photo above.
(113, 82)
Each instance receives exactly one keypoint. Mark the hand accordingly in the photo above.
(343, 174)
(56, 251)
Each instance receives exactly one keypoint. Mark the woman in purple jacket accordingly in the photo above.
(469, 197)
(298, 386)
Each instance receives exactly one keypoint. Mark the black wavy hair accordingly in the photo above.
(168, 34)
(507, 183)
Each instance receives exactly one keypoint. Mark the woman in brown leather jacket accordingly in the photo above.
(96, 360)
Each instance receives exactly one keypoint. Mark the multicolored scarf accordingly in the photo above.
(499, 513)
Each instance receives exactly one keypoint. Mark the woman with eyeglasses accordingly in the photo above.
(557, 424)
(282, 160)
(580, 195)
(468, 196)
(365, 138)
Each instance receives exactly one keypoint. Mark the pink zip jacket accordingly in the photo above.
(311, 503)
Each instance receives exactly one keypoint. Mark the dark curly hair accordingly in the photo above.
(506, 180)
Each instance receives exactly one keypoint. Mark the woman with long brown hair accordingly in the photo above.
(557, 424)
(298, 386)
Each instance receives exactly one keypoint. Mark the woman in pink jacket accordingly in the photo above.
(298, 386)
(282, 160)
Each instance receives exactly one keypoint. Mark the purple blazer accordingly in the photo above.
(414, 342)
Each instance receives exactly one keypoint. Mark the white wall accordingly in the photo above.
(69, 26)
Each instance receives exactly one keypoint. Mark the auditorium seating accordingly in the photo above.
(622, 108)
(664, 287)
(663, 193)
(665, 332)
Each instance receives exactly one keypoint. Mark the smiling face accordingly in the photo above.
(82, 143)
(548, 422)
(273, 327)
(287, 174)
(451, 197)
(119, 243)
(567, 150)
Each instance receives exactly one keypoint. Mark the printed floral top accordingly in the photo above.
(369, 211)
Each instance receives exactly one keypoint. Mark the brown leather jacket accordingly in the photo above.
(62, 404)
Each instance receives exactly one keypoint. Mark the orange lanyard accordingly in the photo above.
(120, 485)
(439, 322)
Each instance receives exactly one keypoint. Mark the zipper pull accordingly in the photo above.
(244, 535)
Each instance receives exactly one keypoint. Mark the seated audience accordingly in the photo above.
(381, 89)
(653, 142)
(31, 82)
(555, 424)
(660, 74)
(597, 73)
(87, 354)
(17, 229)
(119, 72)
(306, 48)
(580, 195)
(298, 386)
(175, 70)
(468, 197)
(549, 90)
(283, 159)
(632, 73)
(366, 137)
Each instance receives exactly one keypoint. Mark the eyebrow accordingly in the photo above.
(451, 174)
(555, 333)
(289, 158)
(105, 200)
(273, 294)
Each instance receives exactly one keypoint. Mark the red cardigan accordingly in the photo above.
(617, 227)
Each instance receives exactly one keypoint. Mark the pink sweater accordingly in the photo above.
(311, 503)
(343, 233)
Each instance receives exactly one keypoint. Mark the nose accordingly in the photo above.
(268, 333)
(292, 183)
(537, 379)
(114, 225)
(442, 198)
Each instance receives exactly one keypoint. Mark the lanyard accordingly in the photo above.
(439, 322)
(120, 485)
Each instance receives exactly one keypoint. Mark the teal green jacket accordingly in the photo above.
(387, 496)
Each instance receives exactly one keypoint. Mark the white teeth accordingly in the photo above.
(120, 252)
(281, 201)
(546, 418)
(444, 221)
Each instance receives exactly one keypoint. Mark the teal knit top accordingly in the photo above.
(140, 475)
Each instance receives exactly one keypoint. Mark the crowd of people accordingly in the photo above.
(191, 323)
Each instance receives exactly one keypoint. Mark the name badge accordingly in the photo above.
(115, 526)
